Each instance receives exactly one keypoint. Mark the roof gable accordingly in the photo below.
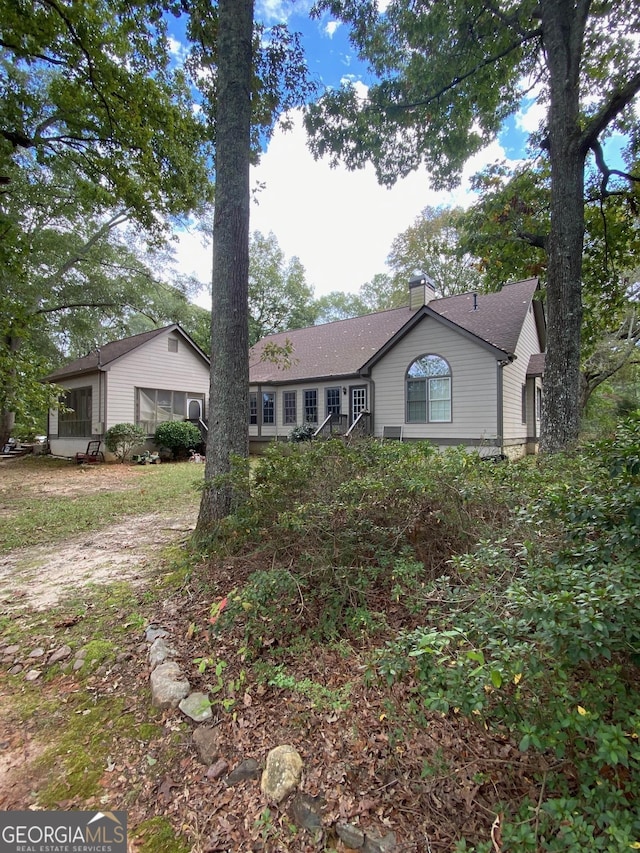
(103, 357)
(349, 347)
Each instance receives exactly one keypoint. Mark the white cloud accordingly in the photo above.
(278, 11)
(340, 224)
(529, 118)
(331, 27)
(177, 49)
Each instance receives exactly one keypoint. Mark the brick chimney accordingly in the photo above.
(421, 291)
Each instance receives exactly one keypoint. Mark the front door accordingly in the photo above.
(358, 402)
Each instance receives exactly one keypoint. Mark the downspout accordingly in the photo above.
(500, 399)
(500, 404)
(102, 399)
(104, 378)
(372, 405)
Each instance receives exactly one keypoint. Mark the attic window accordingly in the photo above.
(172, 344)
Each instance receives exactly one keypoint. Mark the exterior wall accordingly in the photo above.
(474, 387)
(515, 378)
(281, 430)
(69, 446)
(153, 366)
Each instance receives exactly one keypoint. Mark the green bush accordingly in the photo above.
(543, 640)
(304, 432)
(122, 438)
(178, 436)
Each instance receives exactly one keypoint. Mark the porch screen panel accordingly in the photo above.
(157, 406)
(77, 421)
(147, 410)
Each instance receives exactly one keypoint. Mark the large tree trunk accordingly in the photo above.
(229, 389)
(10, 344)
(7, 423)
(563, 27)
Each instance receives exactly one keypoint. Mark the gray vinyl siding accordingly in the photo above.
(515, 376)
(473, 385)
(153, 366)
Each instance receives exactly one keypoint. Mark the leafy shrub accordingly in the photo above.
(27, 431)
(304, 432)
(522, 577)
(543, 640)
(122, 438)
(178, 436)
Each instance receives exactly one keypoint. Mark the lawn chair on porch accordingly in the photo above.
(92, 455)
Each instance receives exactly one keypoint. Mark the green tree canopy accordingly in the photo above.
(279, 297)
(506, 229)
(91, 81)
(449, 74)
(432, 245)
(96, 131)
(339, 306)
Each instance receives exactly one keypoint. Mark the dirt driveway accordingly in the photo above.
(40, 576)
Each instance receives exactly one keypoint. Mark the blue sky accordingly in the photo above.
(340, 224)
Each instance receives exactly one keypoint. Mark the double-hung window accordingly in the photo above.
(253, 407)
(290, 413)
(333, 401)
(311, 406)
(428, 390)
(268, 407)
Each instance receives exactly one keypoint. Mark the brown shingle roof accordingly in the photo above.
(343, 347)
(536, 365)
(499, 316)
(332, 349)
(99, 359)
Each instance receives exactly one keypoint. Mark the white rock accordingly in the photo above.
(282, 773)
(168, 685)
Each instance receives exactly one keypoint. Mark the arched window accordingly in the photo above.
(428, 390)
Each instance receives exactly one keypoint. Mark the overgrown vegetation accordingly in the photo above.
(467, 631)
(518, 581)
